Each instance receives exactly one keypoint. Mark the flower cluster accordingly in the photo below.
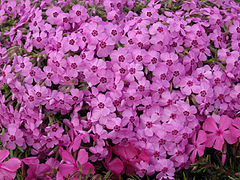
(89, 80)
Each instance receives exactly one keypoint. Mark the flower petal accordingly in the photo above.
(3, 154)
(210, 125)
(225, 122)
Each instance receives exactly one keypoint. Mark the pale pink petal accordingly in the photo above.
(193, 156)
(12, 164)
(105, 111)
(67, 169)
(202, 136)
(225, 122)
(67, 156)
(12, 129)
(210, 140)
(82, 156)
(229, 137)
(86, 168)
(3, 154)
(219, 143)
(210, 125)
(59, 176)
(200, 150)
(7, 175)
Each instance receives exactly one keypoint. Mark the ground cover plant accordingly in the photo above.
(117, 89)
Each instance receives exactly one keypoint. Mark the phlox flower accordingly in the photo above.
(69, 166)
(197, 145)
(218, 132)
(78, 13)
(13, 137)
(8, 168)
(102, 106)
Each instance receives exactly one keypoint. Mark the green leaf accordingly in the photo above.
(89, 173)
(79, 166)
(107, 175)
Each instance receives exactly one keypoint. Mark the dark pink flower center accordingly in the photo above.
(78, 13)
(149, 124)
(164, 170)
(160, 29)
(31, 98)
(12, 138)
(149, 14)
(49, 75)
(139, 58)
(160, 90)
(132, 70)
(219, 132)
(116, 128)
(238, 29)
(101, 105)
(156, 154)
(71, 42)
(199, 33)
(141, 88)
(54, 129)
(121, 58)
(39, 39)
(55, 14)
(94, 68)
(186, 113)
(173, 116)
(32, 73)
(103, 80)
(75, 98)
(38, 94)
(190, 83)
(194, 43)
(22, 65)
(154, 60)
(176, 73)
(122, 70)
(132, 119)
(163, 76)
(114, 32)
(103, 45)
(94, 33)
(162, 141)
(203, 93)
(174, 132)
(169, 62)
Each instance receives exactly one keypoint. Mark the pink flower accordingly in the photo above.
(198, 145)
(102, 106)
(8, 168)
(78, 13)
(216, 134)
(13, 136)
(69, 166)
(53, 14)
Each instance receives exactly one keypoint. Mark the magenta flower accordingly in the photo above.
(70, 43)
(78, 13)
(69, 166)
(53, 14)
(13, 136)
(216, 134)
(8, 168)
(102, 105)
(169, 58)
(198, 145)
